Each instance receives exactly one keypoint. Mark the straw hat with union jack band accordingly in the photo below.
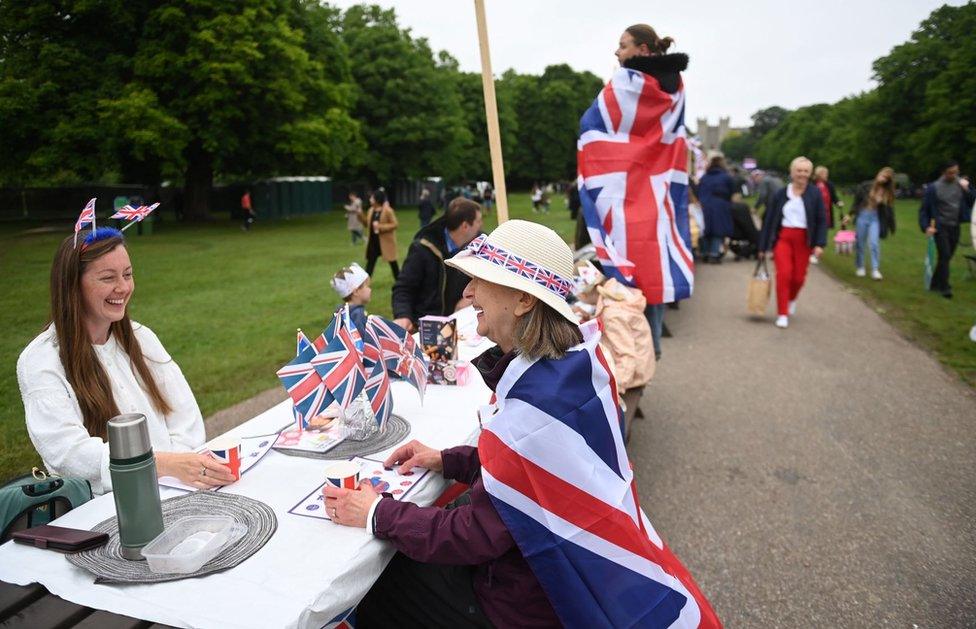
(525, 256)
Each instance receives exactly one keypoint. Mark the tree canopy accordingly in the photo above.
(922, 112)
(196, 90)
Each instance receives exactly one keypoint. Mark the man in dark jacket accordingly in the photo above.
(426, 286)
(947, 203)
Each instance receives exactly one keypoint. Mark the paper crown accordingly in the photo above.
(347, 280)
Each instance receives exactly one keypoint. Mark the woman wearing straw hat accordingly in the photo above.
(552, 510)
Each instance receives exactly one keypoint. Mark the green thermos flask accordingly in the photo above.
(133, 469)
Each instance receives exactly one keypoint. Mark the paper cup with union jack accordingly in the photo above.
(227, 450)
(343, 474)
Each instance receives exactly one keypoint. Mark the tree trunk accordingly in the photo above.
(198, 181)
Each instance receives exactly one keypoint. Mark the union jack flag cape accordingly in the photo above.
(554, 463)
(633, 179)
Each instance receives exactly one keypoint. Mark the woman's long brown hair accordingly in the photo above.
(888, 189)
(645, 34)
(81, 366)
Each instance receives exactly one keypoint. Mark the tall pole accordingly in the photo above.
(491, 115)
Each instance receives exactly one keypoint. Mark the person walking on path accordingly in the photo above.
(947, 202)
(382, 223)
(247, 210)
(715, 192)
(794, 225)
(873, 214)
(769, 185)
(426, 208)
(354, 217)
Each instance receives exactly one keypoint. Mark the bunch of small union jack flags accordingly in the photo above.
(345, 361)
(127, 212)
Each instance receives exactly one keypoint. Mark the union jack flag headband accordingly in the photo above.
(484, 250)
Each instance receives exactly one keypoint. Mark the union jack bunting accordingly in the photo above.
(130, 213)
(87, 216)
(304, 385)
(633, 179)
(481, 248)
(554, 463)
(378, 393)
(341, 369)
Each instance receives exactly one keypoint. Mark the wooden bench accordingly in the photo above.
(33, 607)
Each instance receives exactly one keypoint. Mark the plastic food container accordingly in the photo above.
(190, 542)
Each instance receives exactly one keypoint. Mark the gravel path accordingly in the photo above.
(819, 476)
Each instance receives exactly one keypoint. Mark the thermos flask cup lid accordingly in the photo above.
(128, 436)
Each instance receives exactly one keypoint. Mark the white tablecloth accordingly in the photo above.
(310, 570)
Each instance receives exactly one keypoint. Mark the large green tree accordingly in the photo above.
(237, 80)
(408, 103)
(58, 60)
(180, 89)
(548, 110)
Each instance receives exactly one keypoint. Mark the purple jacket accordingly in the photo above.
(472, 534)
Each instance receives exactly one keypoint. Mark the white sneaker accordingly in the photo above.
(860, 272)
(792, 308)
(814, 259)
(782, 321)
(875, 274)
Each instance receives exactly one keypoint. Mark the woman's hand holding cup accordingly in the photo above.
(194, 468)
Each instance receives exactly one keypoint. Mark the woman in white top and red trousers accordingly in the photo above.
(795, 224)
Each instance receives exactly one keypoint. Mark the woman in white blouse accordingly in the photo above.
(92, 363)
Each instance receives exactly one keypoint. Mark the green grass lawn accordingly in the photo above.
(938, 324)
(225, 303)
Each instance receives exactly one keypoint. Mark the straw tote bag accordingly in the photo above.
(757, 297)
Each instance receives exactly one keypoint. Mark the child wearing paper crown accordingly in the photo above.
(352, 284)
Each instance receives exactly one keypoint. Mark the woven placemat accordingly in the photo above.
(108, 565)
(397, 429)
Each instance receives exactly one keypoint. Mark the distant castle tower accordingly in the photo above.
(711, 137)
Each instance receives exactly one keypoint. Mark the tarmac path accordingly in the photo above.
(819, 476)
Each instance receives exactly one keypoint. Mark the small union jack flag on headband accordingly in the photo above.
(341, 369)
(134, 214)
(130, 213)
(304, 385)
(87, 216)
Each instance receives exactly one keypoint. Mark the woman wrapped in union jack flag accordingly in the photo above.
(551, 532)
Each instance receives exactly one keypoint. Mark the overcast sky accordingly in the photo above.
(744, 56)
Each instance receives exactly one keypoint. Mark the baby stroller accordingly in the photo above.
(744, 243)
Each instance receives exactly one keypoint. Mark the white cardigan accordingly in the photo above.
(54, 420)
